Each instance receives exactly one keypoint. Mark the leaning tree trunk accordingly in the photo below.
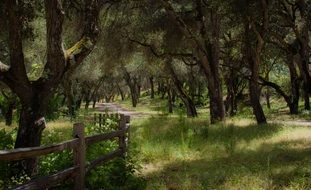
(253, 55)
(121, 92)
(295, 85)
(190, 106)
(255, 91)
(208, 56)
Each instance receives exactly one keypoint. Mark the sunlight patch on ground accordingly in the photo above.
(240, 122)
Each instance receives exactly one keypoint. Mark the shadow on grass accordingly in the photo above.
(174, 130)
(271, 166)
(220, 161)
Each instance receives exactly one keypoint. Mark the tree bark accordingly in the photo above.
(190, 106)
(207, 52)
(303, 38)
(34, 96)
(121, 93)
(87, 103)
(267, 95)
(94, 102)
(31, 126)
(169, 97)
(295, 85)
(151, 87)
(253, 55)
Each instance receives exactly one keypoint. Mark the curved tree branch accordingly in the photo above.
(16, 76)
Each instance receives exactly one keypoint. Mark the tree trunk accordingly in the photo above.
(190, 106)
(31, 125)
(304, 51)
(87, 98)
(254, 60)
(151, 87)
(87, 103)
(267, 96)
(210, 65)
(94, 102)
(230, 103)
(71, 105)
(306, 96)
(78, 104)
(169, 98)
(159, 88)
(134, 95)
(173, 95)
(121, 93)
(34, 95)
(295, 85)
(255, 100)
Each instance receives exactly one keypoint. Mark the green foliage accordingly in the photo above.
(116, 174)
(7, 139)
(55, 104)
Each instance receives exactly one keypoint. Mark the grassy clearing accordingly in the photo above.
(181, 153)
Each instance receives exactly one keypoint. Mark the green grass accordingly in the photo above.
(183, 153)
(180, 153)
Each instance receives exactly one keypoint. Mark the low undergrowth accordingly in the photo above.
(114, 175)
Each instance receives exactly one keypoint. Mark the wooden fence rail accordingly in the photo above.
(78, 145)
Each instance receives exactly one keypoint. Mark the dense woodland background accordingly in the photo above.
(218, 60)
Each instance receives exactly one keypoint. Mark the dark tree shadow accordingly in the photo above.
(276, 164)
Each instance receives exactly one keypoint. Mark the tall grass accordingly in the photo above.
(182, 153)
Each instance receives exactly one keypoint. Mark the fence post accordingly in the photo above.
(127, 121)
(122, 140)
(79, 156)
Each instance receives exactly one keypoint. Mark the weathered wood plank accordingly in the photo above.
(122, 138)
(102, 137)
(79, 156)
(24, 153)
(103, 159)
(48, 181)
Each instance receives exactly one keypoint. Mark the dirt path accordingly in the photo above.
(304, 123)
(116, 108)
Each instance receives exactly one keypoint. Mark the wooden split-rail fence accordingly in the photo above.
(78, 145)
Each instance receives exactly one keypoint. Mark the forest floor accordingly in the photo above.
(119, 108)
(176, 152)
(184, 153)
